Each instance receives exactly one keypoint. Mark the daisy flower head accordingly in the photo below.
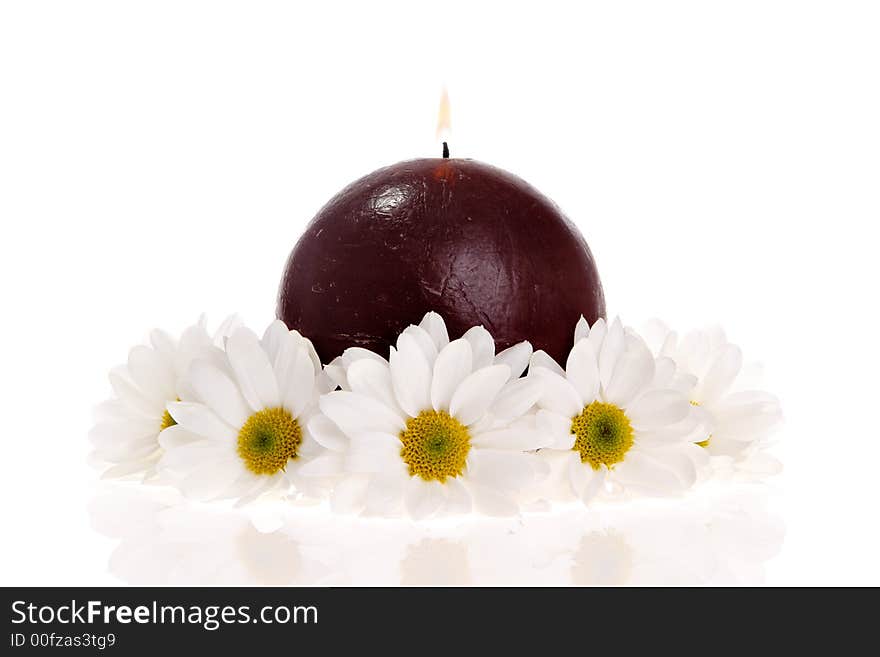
(611, 425)
(126, 434)
(246, 431)
(440, 427)
(737, 417)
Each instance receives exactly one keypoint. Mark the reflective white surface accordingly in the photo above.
(721, 534)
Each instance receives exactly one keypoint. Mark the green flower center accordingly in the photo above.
(604, 434)
(268, 440)
(435, 445)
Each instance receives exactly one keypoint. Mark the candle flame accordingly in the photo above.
(444, 116)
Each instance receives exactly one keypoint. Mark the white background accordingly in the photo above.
(159, 159)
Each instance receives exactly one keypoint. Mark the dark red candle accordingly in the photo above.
(472, 242)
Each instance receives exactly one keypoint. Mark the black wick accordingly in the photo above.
(445, 151)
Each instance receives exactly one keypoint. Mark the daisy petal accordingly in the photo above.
(219, 393)
(482, 346)
(641, 471)
(476, 393)
(500, 469)
(372, 378)
(193, 340)
(516, 358)
(209, 480)
(556, 429)
(454, 363)
(188, 457)
(327, 434)
(310, 350)
(658, 408)
(664, 371)
(126, 449)
(353, 354)
(310, 448)
(374, 452)
(273, 337)
(384, 495)
(518, 439)
(491, 502)
(163, 343)
(435, 327)
(327, 464)
(612, 348)
(594, 485)
(458, 499)
(582, 371)
(201, 420)
(633, 371)
(579, 474)
(762, 464)
(541, 359)
(695, 352)
(132, 396)
(300, 384)
(334, 371)
(251, 493)
(597, 335)
(581, 330)
(410, 375)
(348, 494)
(746, 427)
(721, 374)
(421, 338)
(254, 373)
(176, 436)
(152, 372)
(678, 462)
(227, 327)
(559, 395)
(122, 470)
(354, 413)
(423, 498)
(123, 429)
(517, 398)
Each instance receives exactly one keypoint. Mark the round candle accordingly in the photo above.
(470, 241)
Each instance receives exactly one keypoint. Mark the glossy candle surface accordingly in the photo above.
(472, 242)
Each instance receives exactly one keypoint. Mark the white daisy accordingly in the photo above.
(438, 428)
(247, 432)
(737, 418)
(126, 434)
(611, 426)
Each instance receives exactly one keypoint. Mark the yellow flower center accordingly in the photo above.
(167, 421)
(702, 443)
(435, 445)
(604, 434)
(268, 440)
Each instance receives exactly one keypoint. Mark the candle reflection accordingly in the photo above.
(723, 535)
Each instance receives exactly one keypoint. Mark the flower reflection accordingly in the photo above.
(436, 562)
(723, 534)
(165, 540)
(603, 557)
